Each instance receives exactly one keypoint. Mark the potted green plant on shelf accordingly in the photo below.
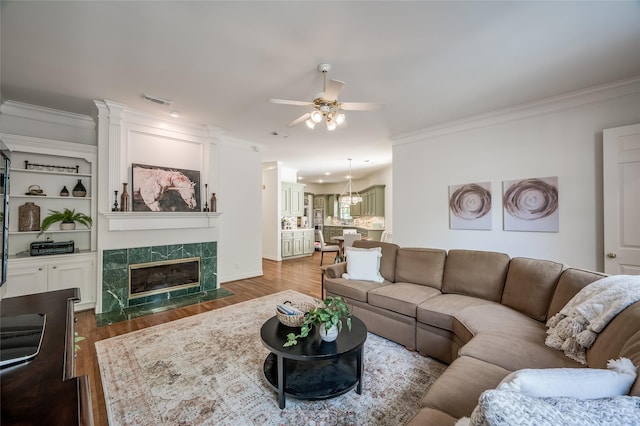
(328, 317)
(68, 219)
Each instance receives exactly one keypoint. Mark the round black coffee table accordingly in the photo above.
(313, 369)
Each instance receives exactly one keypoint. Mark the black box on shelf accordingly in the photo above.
(52, 247)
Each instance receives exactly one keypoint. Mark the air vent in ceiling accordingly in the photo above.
(156, 100)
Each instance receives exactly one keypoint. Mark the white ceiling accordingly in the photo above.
(219, 62)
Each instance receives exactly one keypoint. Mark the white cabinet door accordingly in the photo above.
(297, 244)
(38, 274)
(26, 279)
(74, 273)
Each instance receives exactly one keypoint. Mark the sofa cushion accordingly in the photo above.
(353, 289)
(497, 317)
(457, 390)
(513, 353)
(402, 298)
(440, 311)
(475, 273)
(429, 416)
(388, 260)
(530, 285)
(570, 283)
(420, 266)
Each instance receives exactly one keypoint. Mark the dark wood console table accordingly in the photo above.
(45, 391)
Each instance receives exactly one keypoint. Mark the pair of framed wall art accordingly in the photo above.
(527, 204)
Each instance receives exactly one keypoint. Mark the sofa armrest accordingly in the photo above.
(336, 270)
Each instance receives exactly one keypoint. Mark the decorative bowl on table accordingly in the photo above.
(292, 314)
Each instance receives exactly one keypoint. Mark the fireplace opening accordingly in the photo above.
(151, 278)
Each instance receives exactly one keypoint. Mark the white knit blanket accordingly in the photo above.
(575, 328)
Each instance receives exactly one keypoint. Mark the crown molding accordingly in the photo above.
(531, 109)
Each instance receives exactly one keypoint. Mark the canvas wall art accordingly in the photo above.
(531, 204)
(165, 189)
(470, 206)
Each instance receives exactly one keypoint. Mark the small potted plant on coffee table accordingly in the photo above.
(328, 317)
(68, 219)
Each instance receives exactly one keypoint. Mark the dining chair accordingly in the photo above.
(386, 237)
(326, 247)
(349, 231)
(349, 239)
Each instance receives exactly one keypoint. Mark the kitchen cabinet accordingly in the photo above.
(287, 244)
(297, 243)
(39, 274)
(292, 199)
(318, 201)
(308, 242)
(372, 201)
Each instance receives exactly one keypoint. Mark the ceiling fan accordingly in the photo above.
(325, 106)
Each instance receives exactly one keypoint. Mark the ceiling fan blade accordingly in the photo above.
(360, 106)
(334, 87)
(303, 117)
(287, 102)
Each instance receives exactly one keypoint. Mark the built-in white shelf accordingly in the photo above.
(141, 221)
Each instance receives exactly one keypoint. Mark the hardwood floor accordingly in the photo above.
(303, 275)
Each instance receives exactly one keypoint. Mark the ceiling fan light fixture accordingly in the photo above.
(340, 118)
(316, 116)
(310, 123)
(331, 125)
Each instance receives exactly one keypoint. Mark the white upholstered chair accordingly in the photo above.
(326, 247)
(349, 239)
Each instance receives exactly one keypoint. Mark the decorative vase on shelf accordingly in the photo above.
(214, 202)
(328, 335)
(28, 217)
(79, 190)
(124, 199)
(64, 192)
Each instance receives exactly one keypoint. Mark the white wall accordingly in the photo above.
(271, 211)
(240, 201)
(558, 137)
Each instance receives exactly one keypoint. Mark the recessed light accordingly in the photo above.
(174, 114)
(327, 173)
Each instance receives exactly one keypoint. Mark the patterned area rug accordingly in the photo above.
(207, 370)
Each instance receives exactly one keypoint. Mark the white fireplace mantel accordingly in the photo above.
(142, 221)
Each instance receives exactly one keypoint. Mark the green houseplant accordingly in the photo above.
(329, 315)
(66, 216)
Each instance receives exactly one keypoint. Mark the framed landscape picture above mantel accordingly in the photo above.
(165, 189)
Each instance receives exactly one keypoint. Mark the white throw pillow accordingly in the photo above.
(363, 264)
(583, 383)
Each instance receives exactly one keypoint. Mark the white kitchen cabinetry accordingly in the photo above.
(38, 274)
(292, 199)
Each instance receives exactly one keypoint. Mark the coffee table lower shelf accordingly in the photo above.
(313, 380)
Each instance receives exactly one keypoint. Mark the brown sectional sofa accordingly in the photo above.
(481, 312)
